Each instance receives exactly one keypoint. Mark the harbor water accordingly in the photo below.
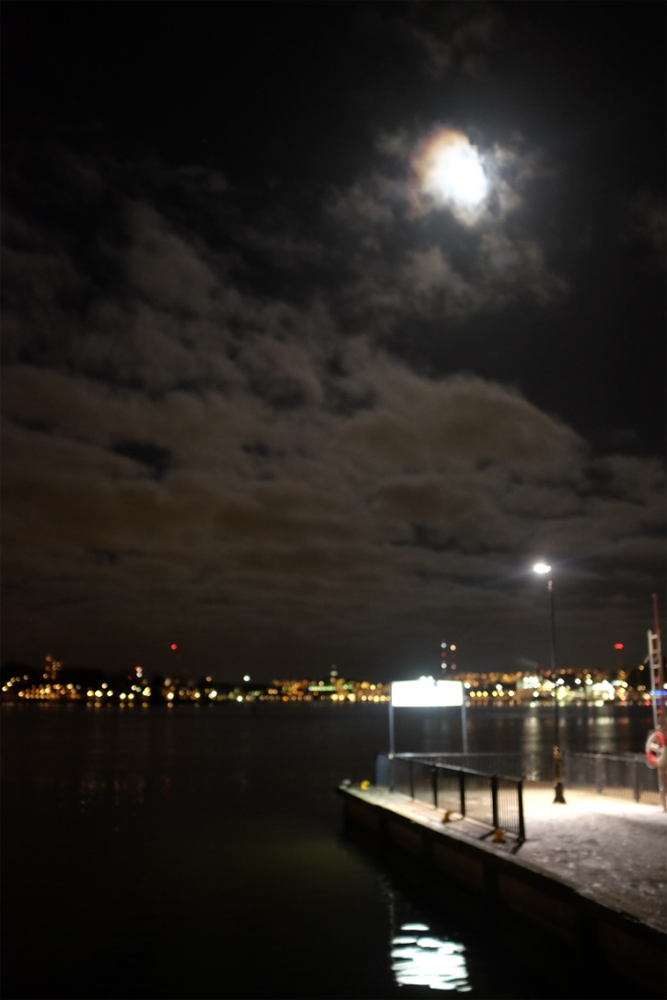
(198, 852)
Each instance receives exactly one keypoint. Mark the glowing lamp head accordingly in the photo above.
(542, 568)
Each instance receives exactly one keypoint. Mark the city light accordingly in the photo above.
(537, 687)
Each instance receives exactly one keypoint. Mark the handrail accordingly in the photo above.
(494, 800)
(624, 774)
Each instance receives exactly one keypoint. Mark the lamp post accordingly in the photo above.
(543, 569)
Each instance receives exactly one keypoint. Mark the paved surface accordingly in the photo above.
(609, 849)
(613, 850)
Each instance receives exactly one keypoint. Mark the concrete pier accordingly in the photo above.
(591, 872)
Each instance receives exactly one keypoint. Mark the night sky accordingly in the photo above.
(322, 322)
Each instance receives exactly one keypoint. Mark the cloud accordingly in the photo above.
(190, 428)
(646, 220)
(451, 39)
(413, 253)
(267, 507)
(160, 265)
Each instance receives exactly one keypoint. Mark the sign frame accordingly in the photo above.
(426, 693)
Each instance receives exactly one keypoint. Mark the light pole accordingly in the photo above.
(545, 570)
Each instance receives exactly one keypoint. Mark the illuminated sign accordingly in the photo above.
(425, 693)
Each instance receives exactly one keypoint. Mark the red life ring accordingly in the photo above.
(656, 748)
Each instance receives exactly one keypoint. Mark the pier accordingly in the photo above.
(591, 872)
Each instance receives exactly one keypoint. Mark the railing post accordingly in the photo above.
(636, 780)
(434, 784)
(411, 774)
(462, 791)
(522, 824)
(494, 801)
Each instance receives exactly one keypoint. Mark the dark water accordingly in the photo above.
(198, 853)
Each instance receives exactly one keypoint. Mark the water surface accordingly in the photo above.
(199, 853)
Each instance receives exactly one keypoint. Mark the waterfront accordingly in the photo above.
(183, 853)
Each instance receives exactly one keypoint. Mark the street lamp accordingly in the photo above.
(544, 569)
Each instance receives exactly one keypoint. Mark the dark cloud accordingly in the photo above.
(156, 459)
(646, 220)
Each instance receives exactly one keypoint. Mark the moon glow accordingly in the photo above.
(451, 172)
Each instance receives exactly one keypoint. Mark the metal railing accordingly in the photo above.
(493, 800)
(622, 775)
(618, 775)
(530, 767)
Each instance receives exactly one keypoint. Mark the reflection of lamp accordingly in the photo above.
(544, 569)
(418, 958)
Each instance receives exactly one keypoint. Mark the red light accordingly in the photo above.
(618, 645)
(174, 646)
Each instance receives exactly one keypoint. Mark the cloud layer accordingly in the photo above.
(206, 423)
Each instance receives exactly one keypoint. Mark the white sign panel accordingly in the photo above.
(426, 693)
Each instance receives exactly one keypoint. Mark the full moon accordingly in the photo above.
(451, 172)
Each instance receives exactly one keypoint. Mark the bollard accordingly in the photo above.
(494, 800)
(522, 822)
(462, 791)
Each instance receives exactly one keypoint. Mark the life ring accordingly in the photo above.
(656, 748)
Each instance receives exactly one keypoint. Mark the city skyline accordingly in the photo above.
(322, 324)
(57, 682)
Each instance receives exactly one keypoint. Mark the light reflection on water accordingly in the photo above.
(528, 729)
(419, 959)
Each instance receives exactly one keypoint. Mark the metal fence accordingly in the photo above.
(493, 800)
(618, 775)
(623, 775)
(531, 766)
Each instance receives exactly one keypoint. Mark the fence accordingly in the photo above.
(619, 775)
(493, 800)
(623, 775)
